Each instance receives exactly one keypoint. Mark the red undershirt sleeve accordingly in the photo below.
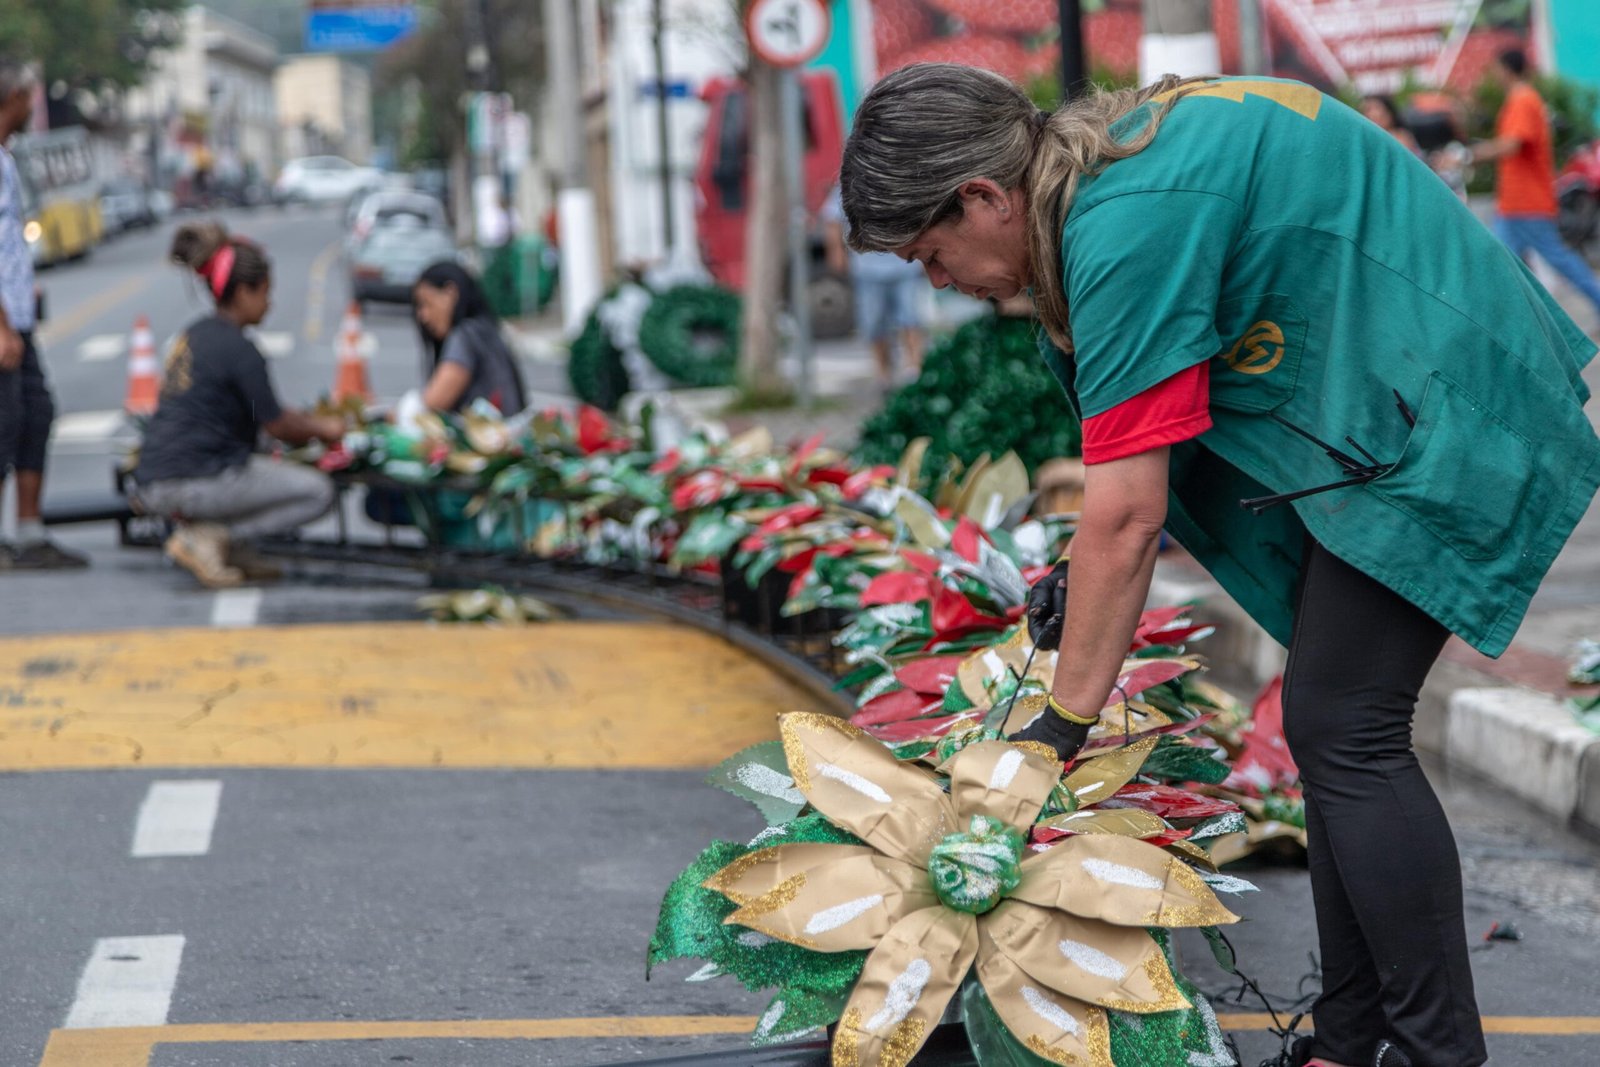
(1174, 410)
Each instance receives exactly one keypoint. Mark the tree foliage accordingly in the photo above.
(87, 44)
(434, 60)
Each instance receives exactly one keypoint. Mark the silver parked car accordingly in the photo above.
(386, 264)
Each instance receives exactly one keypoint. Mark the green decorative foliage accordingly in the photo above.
(983, 390)
(691, 924)
(760, 775)
(594, 367)
(691, 333)
(1173, 761)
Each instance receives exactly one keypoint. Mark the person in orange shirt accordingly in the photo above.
(1525, 189)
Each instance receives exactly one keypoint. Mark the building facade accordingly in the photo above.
(324, 107)
(209, 102)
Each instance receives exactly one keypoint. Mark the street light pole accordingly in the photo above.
(1074, 75)
(658, 45)
(793, 104)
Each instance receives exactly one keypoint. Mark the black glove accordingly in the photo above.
(1047, 608)
(1063, 735)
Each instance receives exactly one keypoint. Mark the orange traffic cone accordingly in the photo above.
(351, 377)
(144, 373)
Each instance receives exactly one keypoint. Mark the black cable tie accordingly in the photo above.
(1405, 412)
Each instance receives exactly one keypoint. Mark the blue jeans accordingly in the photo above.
(1537, 233)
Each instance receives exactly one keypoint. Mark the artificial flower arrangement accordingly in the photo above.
(884, 890)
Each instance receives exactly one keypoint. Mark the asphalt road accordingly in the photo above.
(348, 915)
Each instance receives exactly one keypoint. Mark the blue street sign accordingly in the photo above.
(676, 90)
(358, 29)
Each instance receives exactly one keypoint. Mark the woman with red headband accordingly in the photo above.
(197, 463)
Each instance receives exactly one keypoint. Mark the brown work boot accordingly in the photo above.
(250, 563)
(201, 548)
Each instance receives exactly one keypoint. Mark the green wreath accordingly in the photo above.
(691, 333)
(594, 367)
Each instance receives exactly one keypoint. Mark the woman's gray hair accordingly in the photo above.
(15, 75)
(927, 129)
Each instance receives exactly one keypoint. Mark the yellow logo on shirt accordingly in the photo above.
(1258, 351)
(179, 367)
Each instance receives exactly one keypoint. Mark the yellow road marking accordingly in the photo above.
(132, 1046)
(82, 314)
(1558, 1025)
(316, 292)
(393, 695)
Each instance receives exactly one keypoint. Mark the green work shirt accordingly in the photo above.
(1323, 271)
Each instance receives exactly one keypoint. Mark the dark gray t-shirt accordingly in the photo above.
(476, 346)
(216, 397)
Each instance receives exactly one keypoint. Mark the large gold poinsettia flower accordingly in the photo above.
(941, 882)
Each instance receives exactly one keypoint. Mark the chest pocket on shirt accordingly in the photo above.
(1263, 340)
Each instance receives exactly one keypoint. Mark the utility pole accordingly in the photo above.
(480, 81)
(575, 214)
(663, 134)
(1178, 39)
(1074, 72)
(794, 165)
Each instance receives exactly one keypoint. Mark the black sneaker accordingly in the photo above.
(47, 556)
(1389, 1056)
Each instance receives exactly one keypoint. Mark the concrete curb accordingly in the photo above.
(1522, 740)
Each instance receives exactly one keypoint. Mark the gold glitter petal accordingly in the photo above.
(1037, 1046)
(847, 1040)
(794, 749)
(903, 1044)
(1159, 975)
(1038, 748)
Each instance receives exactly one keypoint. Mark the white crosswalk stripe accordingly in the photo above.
(128, 982)
(103, 348)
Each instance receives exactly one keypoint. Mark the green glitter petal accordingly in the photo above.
(794, 1012)
(690, 924)
(973, 871)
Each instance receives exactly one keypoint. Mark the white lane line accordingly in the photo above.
(275, 344)
(88, 425)
(102, 348)
(128, 982)
(236, 608)
(176, 818)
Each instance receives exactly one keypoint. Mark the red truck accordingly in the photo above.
(722, 188)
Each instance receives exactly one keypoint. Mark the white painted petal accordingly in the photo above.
(1118, 874)
(759, 778)
(705, 974)
(1050, 1011)
(865, 786)
(1091, 959)
(1005, 769)
(751, 939)
(840, 914)
(904, 992)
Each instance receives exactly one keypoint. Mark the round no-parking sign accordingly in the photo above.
(787, 33)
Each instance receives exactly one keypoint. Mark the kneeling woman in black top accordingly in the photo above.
(197, 463)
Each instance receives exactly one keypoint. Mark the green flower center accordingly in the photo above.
(973, 871)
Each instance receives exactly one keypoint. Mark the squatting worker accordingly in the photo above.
(197, 463)
(1257, 295)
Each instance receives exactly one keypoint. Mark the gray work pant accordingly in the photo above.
(262, 497)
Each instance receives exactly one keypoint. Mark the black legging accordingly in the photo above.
(1385, 875)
